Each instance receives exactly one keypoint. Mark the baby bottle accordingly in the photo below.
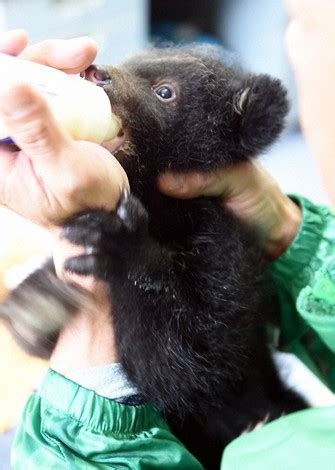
(81, 108)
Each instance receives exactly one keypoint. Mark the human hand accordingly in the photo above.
(310, 39)
(251, 194)
(52, 176)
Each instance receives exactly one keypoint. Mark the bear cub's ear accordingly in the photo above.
(260, 106)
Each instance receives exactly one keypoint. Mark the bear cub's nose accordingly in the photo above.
(97, 75)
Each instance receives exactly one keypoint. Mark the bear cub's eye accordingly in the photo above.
(165, 93)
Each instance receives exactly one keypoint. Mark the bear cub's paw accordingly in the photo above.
(110, 239)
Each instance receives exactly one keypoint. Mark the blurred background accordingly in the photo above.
(251, 31)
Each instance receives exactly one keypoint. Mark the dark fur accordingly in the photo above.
(185, 276)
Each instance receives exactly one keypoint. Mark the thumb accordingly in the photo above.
(30, 123)
(227, 183)
(194, 184)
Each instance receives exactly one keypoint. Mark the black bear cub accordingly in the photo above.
(185, 276)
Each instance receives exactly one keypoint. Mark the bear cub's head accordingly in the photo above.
(183, 108)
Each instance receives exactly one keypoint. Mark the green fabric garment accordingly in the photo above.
(294, 274)
(67, 426)
(300, 441)
(305, 279)
(316, 304)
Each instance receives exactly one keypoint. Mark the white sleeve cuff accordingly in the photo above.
(109, 381)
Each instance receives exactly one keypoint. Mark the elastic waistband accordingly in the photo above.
(94, 411)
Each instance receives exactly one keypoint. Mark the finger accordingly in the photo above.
(71, 56)
(30, 123)
(190, 185)
(13, 42)
(107, 177)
